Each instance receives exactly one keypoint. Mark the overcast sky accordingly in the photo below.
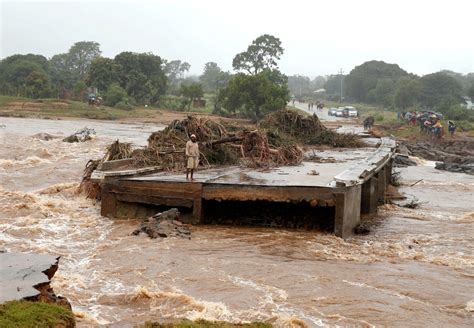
(319, 37)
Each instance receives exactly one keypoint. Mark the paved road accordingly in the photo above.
(321, 113)
(350, 125)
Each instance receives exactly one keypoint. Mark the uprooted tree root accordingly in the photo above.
(284, 125)
(87, 187)
(275, 142)
(217, 147)
(118, 150)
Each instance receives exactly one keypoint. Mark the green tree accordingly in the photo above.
(439, 89)
(383, 92)
(174, 71)
(213, 78)
(80, 56)
(333, 86)
(102, 73)
(141, 75)
(470, 91)
(191, 92)
(253, 96)
(16, 76)
(115, 94)
(80, 89)
(61, 74)
(364, 78)
(407, 93)
(262, 54)
(37, 84)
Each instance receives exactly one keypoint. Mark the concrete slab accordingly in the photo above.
(20, 272)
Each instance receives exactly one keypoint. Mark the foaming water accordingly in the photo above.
(415, 268)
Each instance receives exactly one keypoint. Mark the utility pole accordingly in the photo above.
(340, 73)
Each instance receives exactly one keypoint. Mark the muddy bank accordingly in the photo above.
(451, 155)
(27, 277)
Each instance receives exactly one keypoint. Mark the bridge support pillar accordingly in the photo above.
(348, 205)
(370, 196)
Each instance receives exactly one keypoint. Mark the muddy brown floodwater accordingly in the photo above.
(415, 269)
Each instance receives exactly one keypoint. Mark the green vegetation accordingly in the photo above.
(261, 55)
(263, 89)
(253, 96)
(204, 324)
(213, 78)
(191, 93)
(130, 80)
(48, 108)
(24, 314)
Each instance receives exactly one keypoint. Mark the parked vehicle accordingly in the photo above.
(351, 111)
(332, 111)
(339, 113)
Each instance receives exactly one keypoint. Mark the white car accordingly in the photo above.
(351, 111)
(339, 113)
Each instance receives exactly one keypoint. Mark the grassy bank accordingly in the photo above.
(19, 314)
(56, 108)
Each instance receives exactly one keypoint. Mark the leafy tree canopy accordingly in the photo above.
(213, 78)
(262, 54)
(470, 91)
(253, 96)
(364, 78)
(102, 73)
(175, 70)
(407, 93)
(141, 75)
(80, 56)
(439, 88)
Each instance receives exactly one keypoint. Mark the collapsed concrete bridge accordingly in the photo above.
(333, 191)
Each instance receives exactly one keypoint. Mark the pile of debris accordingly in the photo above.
(81, 135)
(217, 147)
(285, 125)
(90, 189)
(165, 224)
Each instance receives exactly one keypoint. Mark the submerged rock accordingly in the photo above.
(81, 135)
(454, 167)
(401, 160)
(165, 224)
(362, 228)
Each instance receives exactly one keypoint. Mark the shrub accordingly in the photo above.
(171, 102)
(125, 105)
(115, 94)
(378, 117)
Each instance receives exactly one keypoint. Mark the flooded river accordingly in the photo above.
(415, 269)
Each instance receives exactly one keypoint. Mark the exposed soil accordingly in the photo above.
(454, 155)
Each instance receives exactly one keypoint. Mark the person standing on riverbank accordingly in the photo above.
(451, 128)
(192, 155)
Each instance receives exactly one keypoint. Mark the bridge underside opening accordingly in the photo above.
(270, 214)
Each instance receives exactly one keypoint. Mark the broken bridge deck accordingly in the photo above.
(349, 180)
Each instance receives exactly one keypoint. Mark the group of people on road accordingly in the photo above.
(319, 106)
(429, 123)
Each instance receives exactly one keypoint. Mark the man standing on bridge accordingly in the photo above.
(192, 155)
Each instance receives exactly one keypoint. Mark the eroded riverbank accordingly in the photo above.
(414, 269)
